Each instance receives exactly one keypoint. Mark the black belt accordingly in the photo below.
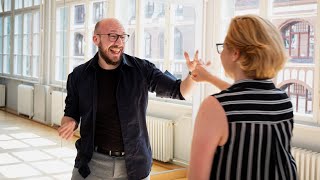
(109, 152)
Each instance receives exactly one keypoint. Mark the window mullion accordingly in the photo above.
(168, 37)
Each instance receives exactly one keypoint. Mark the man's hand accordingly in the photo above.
(192, 64)
(67, 128)
(196, 61)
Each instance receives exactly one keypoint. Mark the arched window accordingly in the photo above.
(301, 97)
(178, 41)
(298, 39)
(161, 45)
(147, 45)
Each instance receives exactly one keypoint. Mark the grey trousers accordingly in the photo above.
(104, 167)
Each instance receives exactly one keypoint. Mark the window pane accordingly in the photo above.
(1, 8)
(18, 4)
(1, 62)
(36, 22)
(6, 63)
(35, 44)
(17, 59)
(128, 11)
(128, 17)
(184, 38)
(6, 45)
(27, 23)
(17, 63)
(1, 37)
(26, 44)
(27, 3)
(79, 14)
(247, 7)
(7, 5)
(36, 2)
(78, 44)
(60, 67)
(98, 13)
(297, 30)
(26, 66)
(154, 31)
(35, 67)
(62, 19)
(61, 49)
(18, 24)
(7, 22)
(61, 46)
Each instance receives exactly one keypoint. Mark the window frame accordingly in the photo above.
(12, 14)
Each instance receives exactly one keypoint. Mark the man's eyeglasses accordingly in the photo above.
(219, 47)
(113, 37)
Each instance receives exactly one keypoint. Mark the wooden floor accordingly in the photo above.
(33, 151)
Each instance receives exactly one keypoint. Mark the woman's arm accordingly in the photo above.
(210, 131)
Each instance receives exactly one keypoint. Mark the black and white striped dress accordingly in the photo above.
(260, 129)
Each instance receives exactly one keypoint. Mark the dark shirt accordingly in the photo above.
(108, 130)
(136, 78)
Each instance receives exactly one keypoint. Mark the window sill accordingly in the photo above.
(306, 136)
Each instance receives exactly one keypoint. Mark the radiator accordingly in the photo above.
(57, 107)
(161, 138)
(25, 100)
(308, 164)
(41, 96)
(2, 95)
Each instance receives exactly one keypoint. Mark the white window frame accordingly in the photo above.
(32, 9)
(86, 30)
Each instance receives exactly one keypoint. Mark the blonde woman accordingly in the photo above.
(244, 132)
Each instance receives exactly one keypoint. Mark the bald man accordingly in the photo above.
(109, 96)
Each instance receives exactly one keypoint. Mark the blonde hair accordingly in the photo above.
(261, 47)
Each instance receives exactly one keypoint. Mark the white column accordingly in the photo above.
(265, 8)
(316, 103)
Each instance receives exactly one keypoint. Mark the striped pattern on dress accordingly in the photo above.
(260, 120)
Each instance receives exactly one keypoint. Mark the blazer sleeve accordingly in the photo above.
(163, 84)
(72, 99)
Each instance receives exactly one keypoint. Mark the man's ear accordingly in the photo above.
(95, 40)
(235, 55)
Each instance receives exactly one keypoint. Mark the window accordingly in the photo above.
(24, 41)
(7, 5)
(79, 13)
(6, 44)
(147, 41)
(75, 24)
(161, 45)
(178, 41)
(165, 30)
(61, 46)
(299, 41)
(296, 20)
(97, 11)
(18, 4)
(17, 54)
(128, 18)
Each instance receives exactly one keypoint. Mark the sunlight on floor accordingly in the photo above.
(31, 151)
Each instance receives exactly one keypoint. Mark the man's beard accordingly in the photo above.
(105, 57)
